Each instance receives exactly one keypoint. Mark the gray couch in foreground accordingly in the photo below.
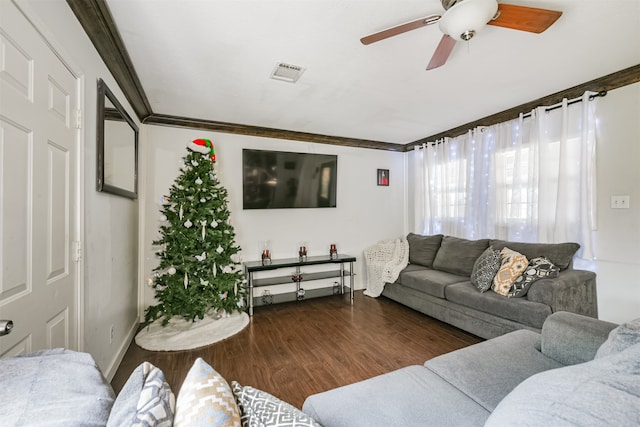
(563, 376)
(438, 282)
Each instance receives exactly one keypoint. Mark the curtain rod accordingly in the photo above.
(555, 107)
(571, 102)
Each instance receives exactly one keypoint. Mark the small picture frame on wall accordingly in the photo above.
(383, 177)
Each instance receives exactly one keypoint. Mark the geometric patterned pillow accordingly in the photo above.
(145, 400)
(485, 268)
(261, 409)
(539, 268)
(205, 399)
(513, 265)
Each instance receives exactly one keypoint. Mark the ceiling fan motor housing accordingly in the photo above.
(463, 19)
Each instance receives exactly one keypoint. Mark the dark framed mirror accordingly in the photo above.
(117, 138)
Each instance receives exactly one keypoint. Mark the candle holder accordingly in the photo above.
(333, 251)
(266, 257)
(302, 254)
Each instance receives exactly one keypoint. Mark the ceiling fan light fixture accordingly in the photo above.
(466, 18)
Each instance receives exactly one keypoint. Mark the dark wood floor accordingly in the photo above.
(295, 349)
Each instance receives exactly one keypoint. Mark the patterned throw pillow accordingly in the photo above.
(145, 400)
(539, 268)
(513, 265)
(261, 409)
(485, 268)
(205, 399)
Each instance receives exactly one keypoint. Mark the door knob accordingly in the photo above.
(5, 327)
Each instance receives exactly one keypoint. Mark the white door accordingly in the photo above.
(38, 173)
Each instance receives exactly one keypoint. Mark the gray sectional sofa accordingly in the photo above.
(437, 282)
(578, 371)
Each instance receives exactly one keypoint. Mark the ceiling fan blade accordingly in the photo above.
(399, 29)
(442, 52)
(523, 18)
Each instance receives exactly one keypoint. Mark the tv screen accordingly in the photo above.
(279, 179)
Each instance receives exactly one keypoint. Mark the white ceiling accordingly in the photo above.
(211, 59)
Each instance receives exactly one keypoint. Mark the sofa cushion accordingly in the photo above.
(429, 281)
(488, 371)
(561, 254)
(205, 398)
(518, 310)
(145, 399)
(259, 408)
(538, 268)
(410, 397)
(423, 249)
(620, 338)
(53, 388)
(603, 392)
(458, 256)
(485, 269)
(513, 264)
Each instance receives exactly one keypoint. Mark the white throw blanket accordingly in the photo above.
(385, 260)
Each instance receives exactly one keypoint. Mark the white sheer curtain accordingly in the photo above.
(530, 179)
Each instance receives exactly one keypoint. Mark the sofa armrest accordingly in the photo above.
(571, 338)
(572, 290)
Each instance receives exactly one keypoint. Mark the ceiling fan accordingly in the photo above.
(463, 19)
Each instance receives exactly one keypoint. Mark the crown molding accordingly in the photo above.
(609, 82)
(240, 129)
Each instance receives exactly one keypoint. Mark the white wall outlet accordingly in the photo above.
(619, 202)
(112, 333)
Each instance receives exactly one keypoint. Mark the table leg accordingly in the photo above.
(351, 280)
(250, 281)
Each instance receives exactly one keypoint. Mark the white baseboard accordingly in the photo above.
(113, 367)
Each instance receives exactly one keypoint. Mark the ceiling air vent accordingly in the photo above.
(287, 72)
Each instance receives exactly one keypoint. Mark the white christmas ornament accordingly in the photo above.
(220, 249)
(199, 181)
(215, 270)
(214, 223)
(186, 280)
(171, 271)
(203, 200)
(201, 257)
(181, 213)
(194, 163)
(188, 224)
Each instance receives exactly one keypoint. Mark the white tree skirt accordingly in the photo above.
(180, 334)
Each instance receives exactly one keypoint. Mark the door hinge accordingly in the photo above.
(76, 249)
(78, 119)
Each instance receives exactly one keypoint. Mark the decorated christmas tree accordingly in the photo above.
(199, 266)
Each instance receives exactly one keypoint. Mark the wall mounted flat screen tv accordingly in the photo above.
(280, 179)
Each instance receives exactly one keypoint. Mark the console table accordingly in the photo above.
(253, 267)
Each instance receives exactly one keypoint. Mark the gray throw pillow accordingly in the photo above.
(539, 268)
(457, 256)
(620, 338)
(485, 268)
(145, 399)
(423, 249)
